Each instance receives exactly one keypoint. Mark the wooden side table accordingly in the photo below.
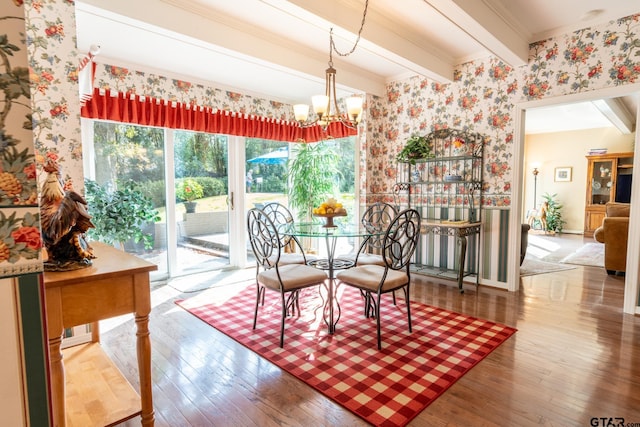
(117, 283)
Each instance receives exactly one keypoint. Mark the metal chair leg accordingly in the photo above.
(284, 315)
(406, 298)
(259, 293)
(378, 322)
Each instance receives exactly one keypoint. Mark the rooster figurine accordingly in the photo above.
(65, 221)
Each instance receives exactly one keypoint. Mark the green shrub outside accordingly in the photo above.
(274, 184)
(212, 187)
(155, 190)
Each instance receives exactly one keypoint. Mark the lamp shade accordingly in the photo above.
(354, 106)
(320, 104)
(301, 112)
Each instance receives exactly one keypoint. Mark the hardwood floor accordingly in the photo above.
(575, 357)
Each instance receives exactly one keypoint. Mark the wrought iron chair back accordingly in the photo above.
(264, 239)
(375, 219)
(401, 239)
(286, 279)
(279, 214)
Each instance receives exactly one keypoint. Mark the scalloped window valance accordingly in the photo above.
(147, 111)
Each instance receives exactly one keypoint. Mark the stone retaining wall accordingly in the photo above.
(201, 223)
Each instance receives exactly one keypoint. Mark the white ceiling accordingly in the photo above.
(280, 49)
(617, 112)
(582, 115)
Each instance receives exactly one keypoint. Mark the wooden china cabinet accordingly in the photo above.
(608, 180)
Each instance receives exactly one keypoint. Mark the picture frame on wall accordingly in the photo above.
(563, 174)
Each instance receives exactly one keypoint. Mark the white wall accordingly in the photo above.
(11, 404)
(562, 149)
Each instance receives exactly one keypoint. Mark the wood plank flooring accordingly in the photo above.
(575, 357)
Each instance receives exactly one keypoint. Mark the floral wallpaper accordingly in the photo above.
(481, 99)
(135, 82)
(483, 94)
(53, 64)
(20, 241)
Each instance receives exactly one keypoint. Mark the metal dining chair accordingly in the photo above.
(375, 219)
(288, 280)
(399, 243)
(280, 215)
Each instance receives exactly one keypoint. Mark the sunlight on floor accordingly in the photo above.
(176, 287)
(540, 248)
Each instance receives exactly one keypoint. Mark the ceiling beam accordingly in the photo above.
(617, 113)
(227, 35)
(394, 45)
(487, 27)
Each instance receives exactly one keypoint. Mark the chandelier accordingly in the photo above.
(326, 106)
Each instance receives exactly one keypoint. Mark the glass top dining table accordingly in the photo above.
(331, 263)
(318, 229)
(330, 234)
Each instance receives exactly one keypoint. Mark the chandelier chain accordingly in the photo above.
(332, 44)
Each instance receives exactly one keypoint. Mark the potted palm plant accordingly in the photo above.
(312, 175)
(555, 223)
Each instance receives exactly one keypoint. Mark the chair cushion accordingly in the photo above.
(289, 258)
(370, 259)
(368, 277)
(294, 276)
(617, 209)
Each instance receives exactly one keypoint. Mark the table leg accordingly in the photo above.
(462, 241)
(144, 368)
(95, 332)
(331, 310)
(57, 382)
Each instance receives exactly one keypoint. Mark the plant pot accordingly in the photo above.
(190, 207)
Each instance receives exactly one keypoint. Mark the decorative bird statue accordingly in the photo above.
(65, 221)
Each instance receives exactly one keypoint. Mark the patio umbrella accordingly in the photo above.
(278, 157)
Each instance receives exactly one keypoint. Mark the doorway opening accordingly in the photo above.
(556, 171)
(523, 175)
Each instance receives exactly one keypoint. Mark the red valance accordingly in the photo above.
(136, 109)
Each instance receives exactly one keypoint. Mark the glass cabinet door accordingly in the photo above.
(601, 182)
(624, 176)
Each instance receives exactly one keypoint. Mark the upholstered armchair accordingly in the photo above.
(613, 233)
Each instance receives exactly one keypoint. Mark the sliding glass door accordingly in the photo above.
(117, 156)
(202, 209)
(201, 186)
(185, 175)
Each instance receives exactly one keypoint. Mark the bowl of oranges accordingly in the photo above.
(329, 209)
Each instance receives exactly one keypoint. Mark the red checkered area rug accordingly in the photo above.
(385, 388)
